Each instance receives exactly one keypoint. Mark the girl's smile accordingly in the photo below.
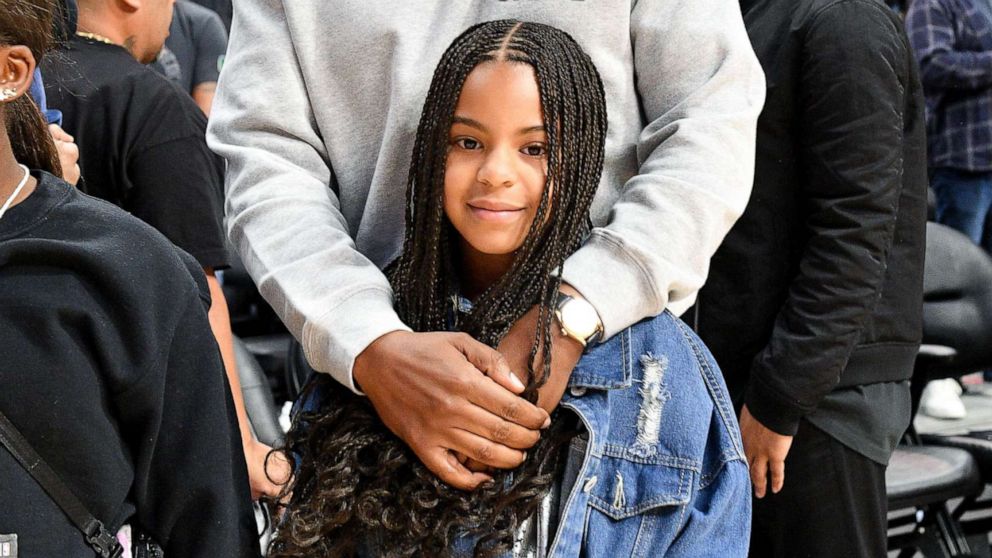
(496, 211)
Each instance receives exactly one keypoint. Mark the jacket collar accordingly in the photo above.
(606, 365)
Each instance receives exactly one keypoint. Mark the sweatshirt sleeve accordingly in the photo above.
(191, 483)
(282, 213)
(852, 106)
(701, 89)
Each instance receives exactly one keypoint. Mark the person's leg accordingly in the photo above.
(963, 200)
(833, 503)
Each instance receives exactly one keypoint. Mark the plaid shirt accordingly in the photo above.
(952, 40)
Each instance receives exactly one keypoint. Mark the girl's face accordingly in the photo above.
(497, 159)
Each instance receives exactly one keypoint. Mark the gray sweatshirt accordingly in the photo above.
(316, 113)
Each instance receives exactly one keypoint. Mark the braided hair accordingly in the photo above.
(29, 23)
(355, 476)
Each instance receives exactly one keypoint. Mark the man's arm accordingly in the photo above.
(203, 95)
(282, 213)
(266, 476)
(210, 43)
(701, 90)
(942, 64)
(852, 102)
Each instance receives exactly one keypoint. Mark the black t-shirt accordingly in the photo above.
(194, 52)
(142, 144)
(110, 371)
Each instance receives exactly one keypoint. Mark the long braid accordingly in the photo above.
(357, 483)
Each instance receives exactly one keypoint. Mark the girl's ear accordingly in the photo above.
(16, 71)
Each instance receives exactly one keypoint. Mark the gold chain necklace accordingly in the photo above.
(95, 37)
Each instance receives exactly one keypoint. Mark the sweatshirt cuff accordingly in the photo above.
(333, 342)
(612, 281)
(771, 411)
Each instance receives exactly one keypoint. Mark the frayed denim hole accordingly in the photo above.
(653, 396)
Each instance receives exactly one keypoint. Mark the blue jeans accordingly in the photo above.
(964, 203)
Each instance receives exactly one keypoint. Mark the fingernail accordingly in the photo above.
(516, 381)
(547, 423)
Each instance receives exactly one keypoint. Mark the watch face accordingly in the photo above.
(580, 317)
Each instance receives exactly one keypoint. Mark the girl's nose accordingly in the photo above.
(497, 169)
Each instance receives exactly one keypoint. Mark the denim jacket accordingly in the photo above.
(664, 473)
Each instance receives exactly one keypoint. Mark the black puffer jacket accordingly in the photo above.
(819, 284)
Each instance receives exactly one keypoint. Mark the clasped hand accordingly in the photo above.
(449, 396)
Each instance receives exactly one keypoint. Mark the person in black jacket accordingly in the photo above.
(108, 369)
(814, 303)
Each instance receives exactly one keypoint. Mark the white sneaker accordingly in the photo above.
(942, 399)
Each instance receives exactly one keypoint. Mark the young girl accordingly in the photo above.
(643, 457)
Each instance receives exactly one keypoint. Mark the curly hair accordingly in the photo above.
(355, 477)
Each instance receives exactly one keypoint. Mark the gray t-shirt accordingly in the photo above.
(224, 9)
(870, 419)
(194, 52)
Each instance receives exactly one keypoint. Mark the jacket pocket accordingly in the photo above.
(624, 488)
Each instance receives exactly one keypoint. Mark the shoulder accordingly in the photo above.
(158, 93)
(197, 16)
(129, 249)
(662, 350)
(917, 7)
(666, 400)
(860, 41)
(668, 334)
(162, 111)
(842, 21)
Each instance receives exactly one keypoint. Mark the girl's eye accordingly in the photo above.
(467, 143)
(535, 150)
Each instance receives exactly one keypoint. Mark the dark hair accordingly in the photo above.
(29, 23)
(356, 477)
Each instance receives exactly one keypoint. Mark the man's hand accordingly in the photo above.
(516, 346)
(443, 393)
(268, 471)
(765, 451)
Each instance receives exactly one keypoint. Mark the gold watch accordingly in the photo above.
(578, 320)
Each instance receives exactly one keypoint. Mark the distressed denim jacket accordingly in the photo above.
(664, 472)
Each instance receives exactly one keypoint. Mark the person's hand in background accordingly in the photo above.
(68, 153)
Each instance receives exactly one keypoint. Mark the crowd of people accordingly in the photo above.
(639, 279)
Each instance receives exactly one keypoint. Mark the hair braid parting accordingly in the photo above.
(355, 476)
